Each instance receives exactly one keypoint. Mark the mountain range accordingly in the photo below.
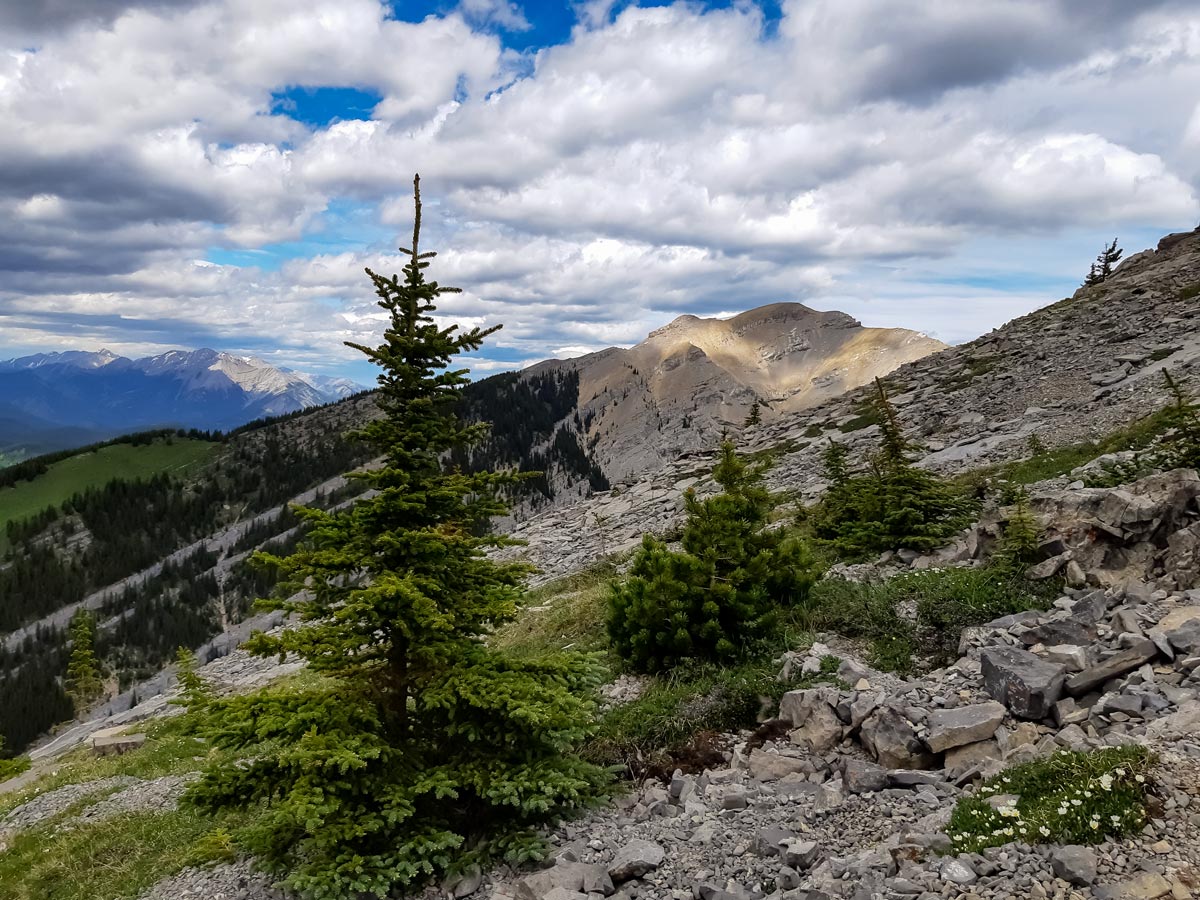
(51, 401)
(687, 383)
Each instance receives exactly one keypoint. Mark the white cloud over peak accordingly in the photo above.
(663, 160)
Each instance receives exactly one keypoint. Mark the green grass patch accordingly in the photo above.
(167, 751)
(567, 613)
(1067, 798)
(93, 469)
(11, 768)
(859, 422)
(1189, 292)
(115, 858)
(1059, 461)
(918, 616)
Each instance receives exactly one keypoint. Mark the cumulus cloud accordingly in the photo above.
(662, 160)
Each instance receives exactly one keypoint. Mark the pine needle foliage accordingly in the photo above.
(1180, 446)
(1021, 540)
(716, 597)
(1104, 265)
(84, 682)
(420, 749)
(891, 505)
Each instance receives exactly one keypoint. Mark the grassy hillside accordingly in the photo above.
(97, 467)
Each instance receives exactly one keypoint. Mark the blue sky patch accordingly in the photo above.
(318, 106)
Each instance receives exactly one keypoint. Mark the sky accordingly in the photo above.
(217, 173)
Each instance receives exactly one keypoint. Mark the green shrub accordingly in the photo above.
(1067, 798)
(719, 596)
(11, 768)
(891, 505)
(936, 605)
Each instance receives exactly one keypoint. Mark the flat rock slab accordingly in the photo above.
(108, 745)
(1142, 651)
(964, 725)
(635, 859)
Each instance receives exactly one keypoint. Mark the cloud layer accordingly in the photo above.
(662, 160)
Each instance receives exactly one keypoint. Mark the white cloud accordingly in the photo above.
(665, 160)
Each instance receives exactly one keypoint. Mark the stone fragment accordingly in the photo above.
(1141, 651)
(893, 741)
(799, 854)
(772, 766)
(863, 777)
(1028, 685)
(1186, 638)
(957, 872)
(635, 859)
(1075, 658)
(963, 725)
(813, 714)
(1074, 864)
(116, 744)
(770, 840)
(979, 758)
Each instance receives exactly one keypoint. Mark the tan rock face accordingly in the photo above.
(691, 380)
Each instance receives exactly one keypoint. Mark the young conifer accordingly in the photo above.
(1180, 447)
(84, 683)
(421, 749)
(713, 599)
(894, 504)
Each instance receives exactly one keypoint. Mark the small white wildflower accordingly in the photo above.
(1045, 831)
(1140, 779)
(1120, 772)
(1075, 802)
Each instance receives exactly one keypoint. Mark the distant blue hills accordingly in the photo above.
(54, 401)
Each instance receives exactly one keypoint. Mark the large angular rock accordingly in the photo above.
(1141, 651)
(1074, 864)
(1026, 684)
(1186, 638)
(894, 743)
(863, 777)
(963, 725)
(635, 859)
(983, 758)
(813, 714)
(773, 766)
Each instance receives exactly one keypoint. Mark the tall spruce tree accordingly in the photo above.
(422, 749)
(713, 599)
(84, 682)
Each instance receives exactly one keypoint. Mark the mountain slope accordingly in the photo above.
(1069, 373)
(55, 400)
(634, 410)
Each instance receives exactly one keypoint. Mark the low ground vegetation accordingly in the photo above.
(1067, 798)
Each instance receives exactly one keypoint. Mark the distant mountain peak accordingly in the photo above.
(105, 394)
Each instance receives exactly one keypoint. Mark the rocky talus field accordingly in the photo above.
(861, 783)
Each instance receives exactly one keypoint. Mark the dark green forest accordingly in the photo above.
(535, 428)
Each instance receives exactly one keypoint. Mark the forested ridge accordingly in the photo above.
(535, 427)
(106, 533)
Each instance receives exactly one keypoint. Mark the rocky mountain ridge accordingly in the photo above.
(1068, 373)
(56, 400)
(695, 378)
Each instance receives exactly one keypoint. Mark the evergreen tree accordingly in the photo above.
(1020, 543)
(755, 415)
(421, 748)
(1180, 447)
(1105, 262)
(836, 461)
(713, 599)
(894, 504)
(83, 682)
